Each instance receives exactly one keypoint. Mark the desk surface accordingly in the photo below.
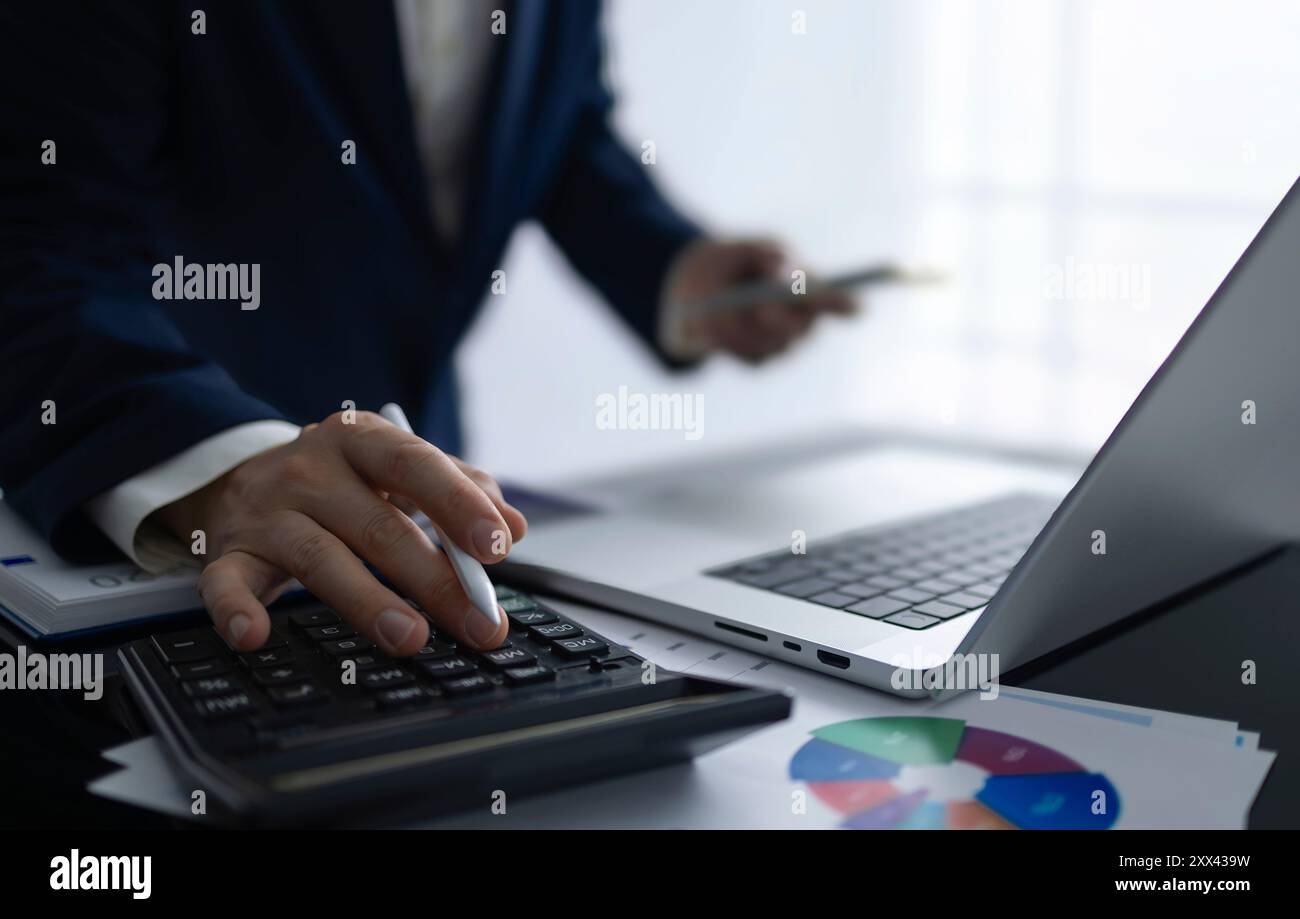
(1185, 659)
(1189, 659)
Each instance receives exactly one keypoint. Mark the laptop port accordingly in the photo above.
(728, 627)
(791, 646)
(833, 660)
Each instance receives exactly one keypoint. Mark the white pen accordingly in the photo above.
(473, 579)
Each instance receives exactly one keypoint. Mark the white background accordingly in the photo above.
(1001, 139)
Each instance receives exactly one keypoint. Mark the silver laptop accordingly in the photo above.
(879, 566)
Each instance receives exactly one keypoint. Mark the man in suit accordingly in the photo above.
(221, 224)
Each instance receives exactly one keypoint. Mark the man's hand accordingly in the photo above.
(307, 510)
(707, 267)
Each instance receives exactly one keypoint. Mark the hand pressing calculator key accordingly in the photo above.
(319, 727)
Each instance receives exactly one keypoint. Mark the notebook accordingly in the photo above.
(48, 597)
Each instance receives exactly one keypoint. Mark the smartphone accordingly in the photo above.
(747, 296)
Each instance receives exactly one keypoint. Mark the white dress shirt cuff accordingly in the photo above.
(121, 511)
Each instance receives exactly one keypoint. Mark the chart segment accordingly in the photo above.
(941, 773)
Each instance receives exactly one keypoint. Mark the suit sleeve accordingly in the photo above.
(605, 213)
(84, 345)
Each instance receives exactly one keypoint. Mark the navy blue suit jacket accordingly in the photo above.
(226, 148)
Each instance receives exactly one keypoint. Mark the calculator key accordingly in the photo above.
(211, 686)
(369, 660)
(331, 632)
(555, 630)
(200, 669)
(434, 650)
(315, 618)
(467, 686)
(182, 647)
(280, 674)
(346, 647)
(273, 640)
(405, 696)
(268, 658)
(518, 604)
(580, 647)
(227, 706)
(448, 668)
(387, 678)
(508, 657)
(532, 617)
(522, 676)
(297, 694)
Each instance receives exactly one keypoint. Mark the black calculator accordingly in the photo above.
(318, 727)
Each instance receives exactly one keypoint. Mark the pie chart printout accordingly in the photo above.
(922, 773)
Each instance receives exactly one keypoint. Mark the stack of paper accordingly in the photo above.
(45, 595)
(852, 757)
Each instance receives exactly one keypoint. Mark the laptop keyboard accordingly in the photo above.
(915, 574)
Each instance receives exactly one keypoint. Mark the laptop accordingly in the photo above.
(884, 565)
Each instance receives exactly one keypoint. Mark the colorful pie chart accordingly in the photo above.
(921, 773)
